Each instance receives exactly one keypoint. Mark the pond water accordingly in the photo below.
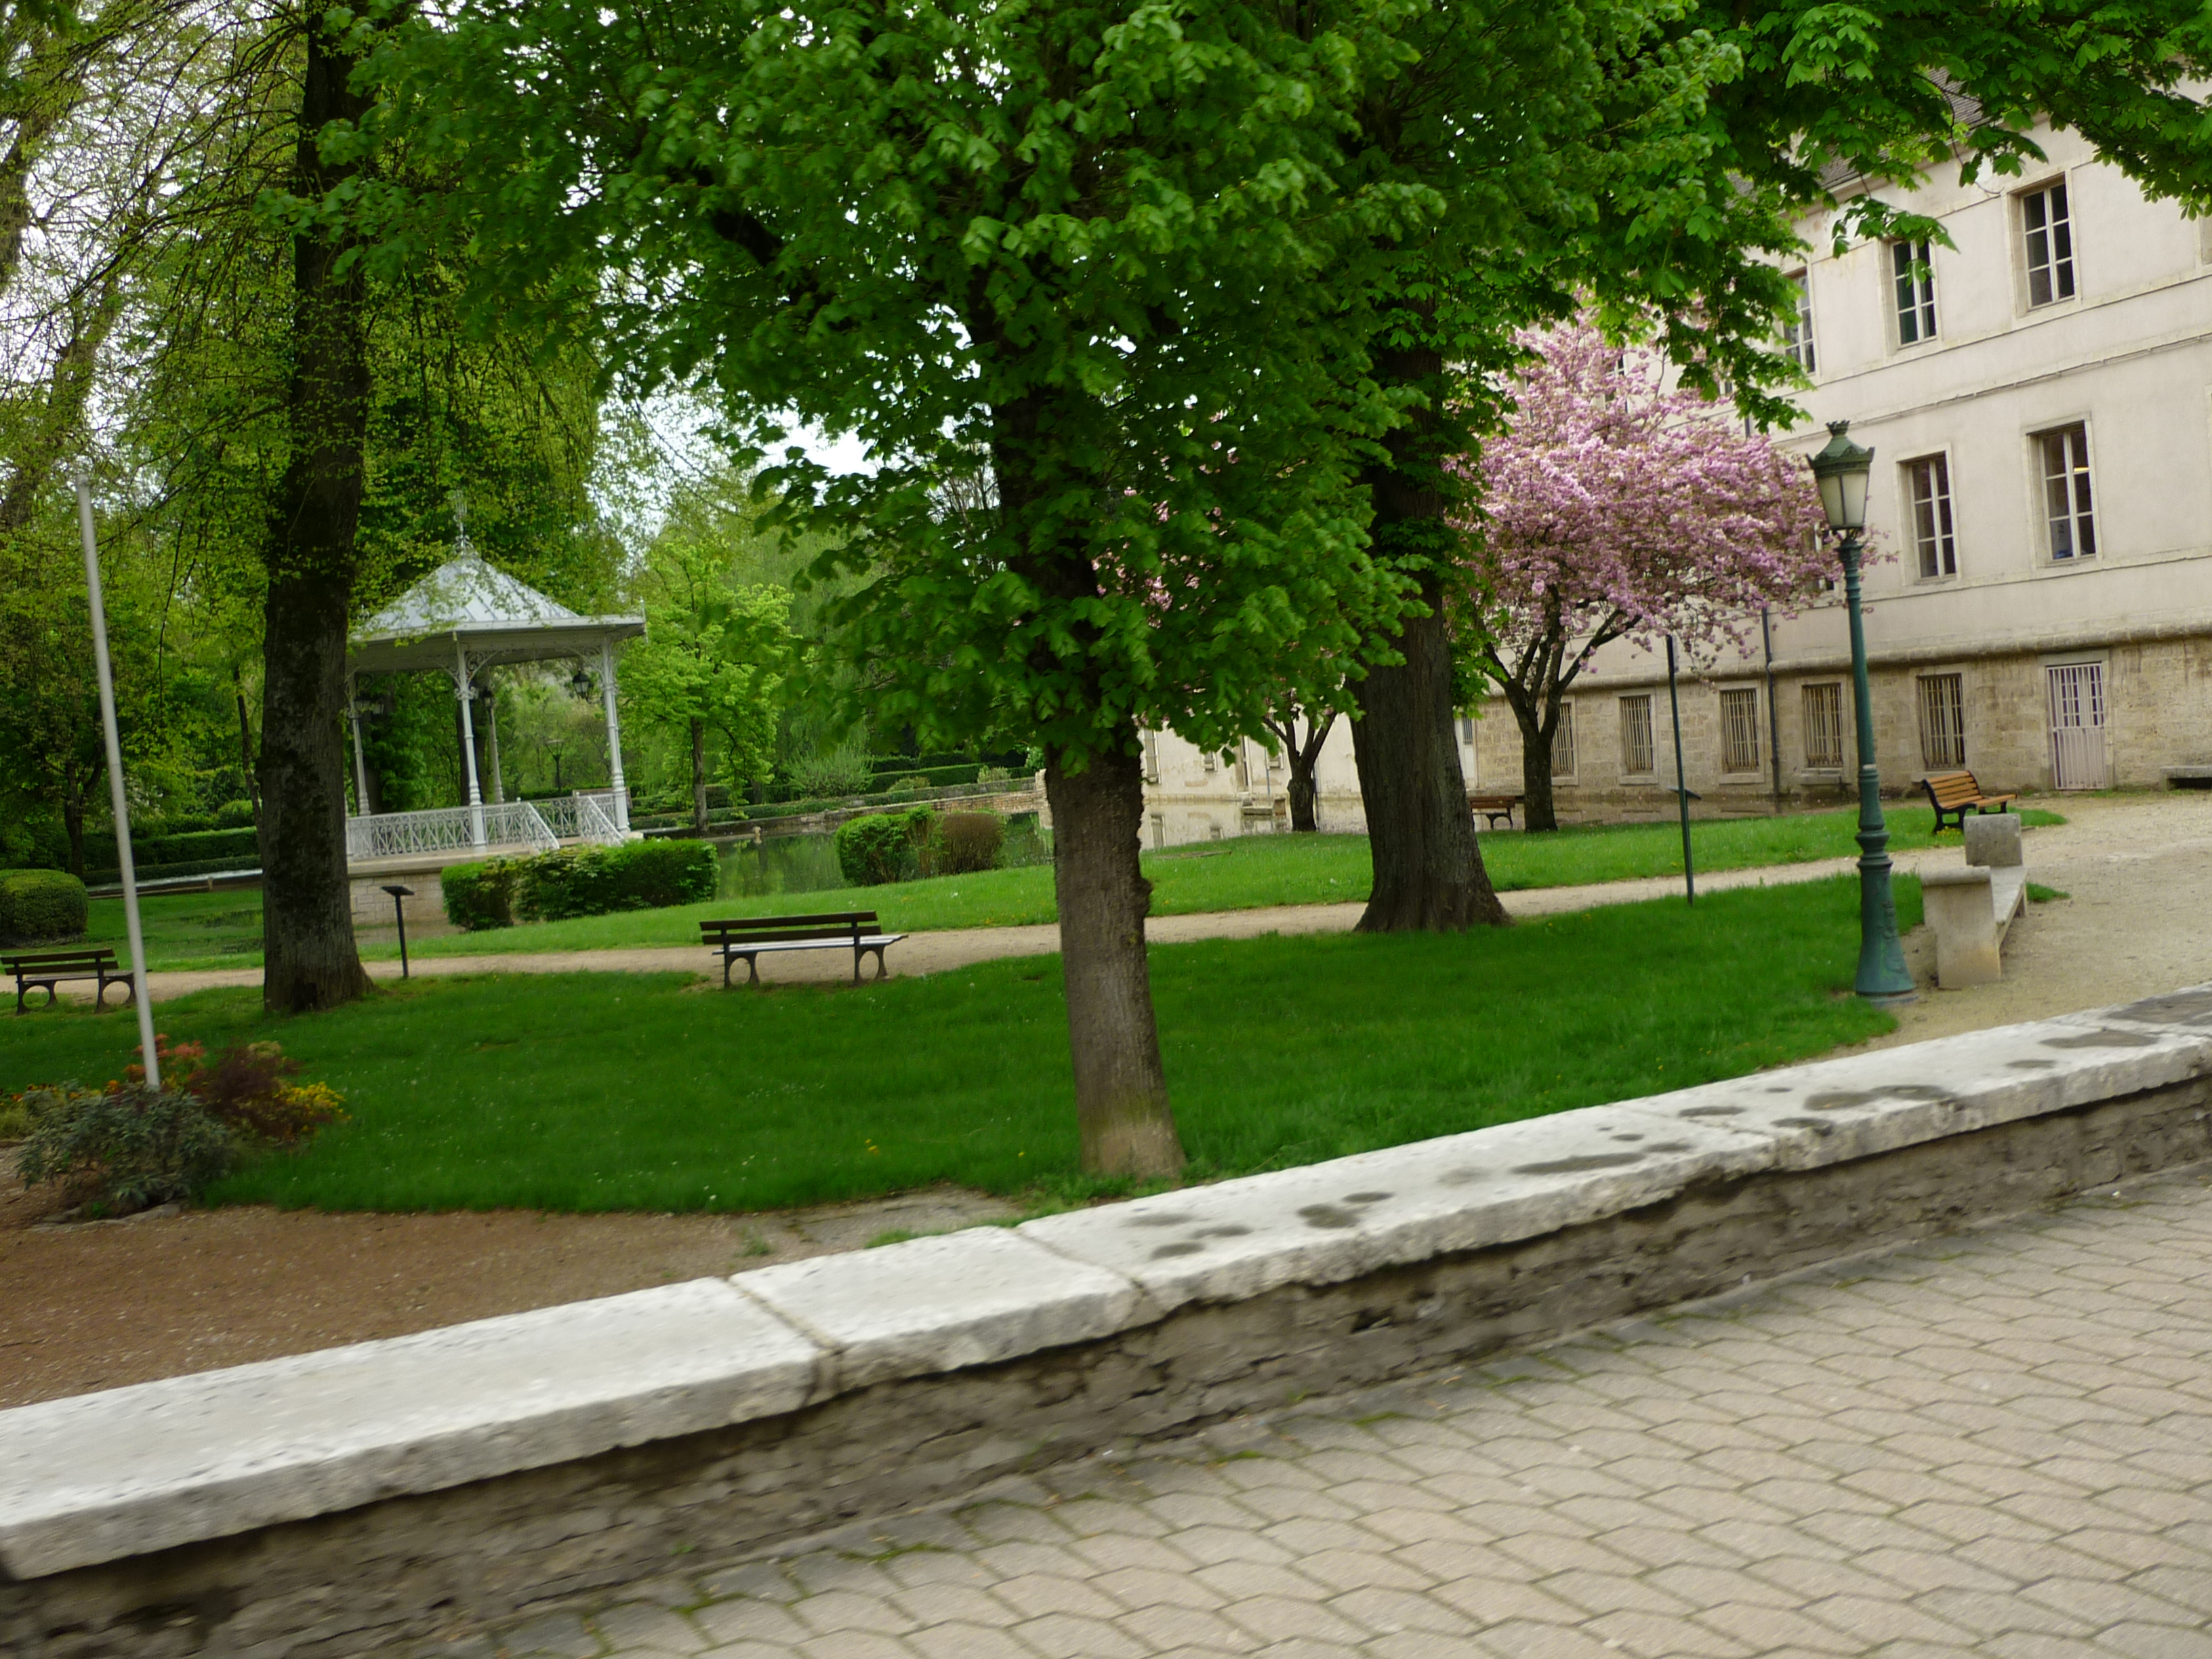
(808, 864)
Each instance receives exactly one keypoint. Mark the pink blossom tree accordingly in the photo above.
(1609, 508)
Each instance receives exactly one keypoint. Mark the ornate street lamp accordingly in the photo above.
(1841, 470)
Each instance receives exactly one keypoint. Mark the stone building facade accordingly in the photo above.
(2039, 400)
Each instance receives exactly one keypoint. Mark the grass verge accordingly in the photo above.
(648, 1092)
(222, 930)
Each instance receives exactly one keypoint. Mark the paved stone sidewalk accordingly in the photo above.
(1999, 1445)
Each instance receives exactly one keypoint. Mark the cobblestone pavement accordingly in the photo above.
(1996, 1444)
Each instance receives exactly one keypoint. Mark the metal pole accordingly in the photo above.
(115, 792)
(1881, 976)
(1773, 715)
(360, 761)
(1682, 783)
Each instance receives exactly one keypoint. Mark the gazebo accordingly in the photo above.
(460, 619)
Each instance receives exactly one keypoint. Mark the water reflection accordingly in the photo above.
(808, 864)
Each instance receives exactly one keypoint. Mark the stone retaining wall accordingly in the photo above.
(346, 1502)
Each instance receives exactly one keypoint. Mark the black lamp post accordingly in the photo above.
(1842, 471)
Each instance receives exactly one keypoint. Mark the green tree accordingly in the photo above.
(713, 663)
(1070, 241)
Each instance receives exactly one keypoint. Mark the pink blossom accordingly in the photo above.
(1611, 507)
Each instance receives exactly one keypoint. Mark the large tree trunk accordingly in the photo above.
(1304, 818)
(1538, 810)
(1428, 869)
(698, 776)
(310, 957)
(1121, 1088)
(72, 806)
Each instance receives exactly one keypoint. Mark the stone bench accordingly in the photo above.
(1972, 909)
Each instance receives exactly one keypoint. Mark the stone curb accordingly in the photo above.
(105, 1477)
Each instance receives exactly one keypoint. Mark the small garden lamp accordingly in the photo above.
(400, 897)
(1842, 471)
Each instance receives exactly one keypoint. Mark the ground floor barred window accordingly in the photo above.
(1943, 722)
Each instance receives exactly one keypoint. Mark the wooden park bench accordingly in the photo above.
(44, 969)
(1491, 808)
(1951, 793)
(750, 938)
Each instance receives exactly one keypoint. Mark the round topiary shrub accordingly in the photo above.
(883, 846)
(234, 815)
(38, 906)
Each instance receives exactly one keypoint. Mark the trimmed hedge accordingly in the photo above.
(967, 842)
(40, 905)
(597, 881)
(197, 847)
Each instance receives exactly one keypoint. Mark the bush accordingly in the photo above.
(840, 771)
(234, 815)
(40, 905)
(597, 881)
(968, 841)
(129, 1146)
(639, 875)
(479, 895)
(883, 846)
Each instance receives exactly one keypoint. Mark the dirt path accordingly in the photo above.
(85, 1307)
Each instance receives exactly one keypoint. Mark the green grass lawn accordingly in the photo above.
(222, 930)
(594, 1091)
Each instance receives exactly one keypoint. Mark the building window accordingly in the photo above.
(1563, 743)
(1797, 329)
(1916, 292)
(1207, 761)
(1739, 731)
(1636, 736)
(1943, 722)
(2050, 237)
(1824, 726)
(2065, 456)
(1928, 481)
(1467, 730)
(1152, 757)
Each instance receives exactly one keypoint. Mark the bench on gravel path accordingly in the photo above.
(1952, 792)
(44, 969)
(749, 938)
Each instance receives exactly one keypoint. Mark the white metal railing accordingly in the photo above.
(581, 817)
(447, 830)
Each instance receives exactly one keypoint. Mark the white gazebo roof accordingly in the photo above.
(467, 604)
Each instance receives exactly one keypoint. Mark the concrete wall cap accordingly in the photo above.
(942, 1305)
(98, 1477)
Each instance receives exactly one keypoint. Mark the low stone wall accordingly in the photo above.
(343, 1502)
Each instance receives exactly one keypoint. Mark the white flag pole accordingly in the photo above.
(115, 789)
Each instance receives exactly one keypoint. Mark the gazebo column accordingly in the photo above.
(491, 740)
(614, 735)
(359, 763)
(468, 744)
